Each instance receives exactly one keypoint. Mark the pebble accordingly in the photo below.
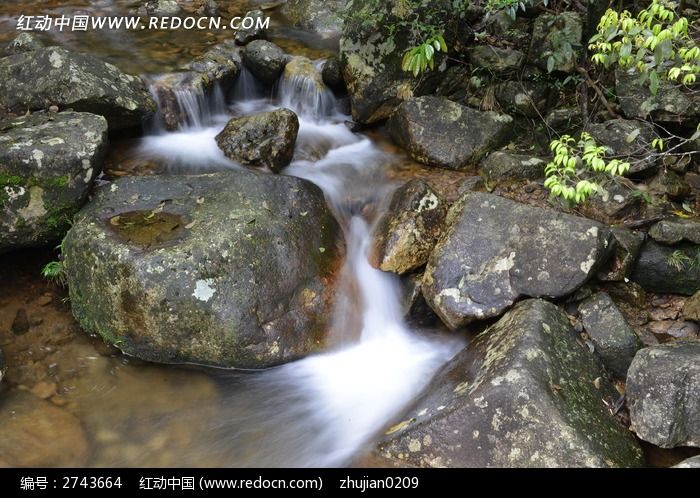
(53, 108)
(20, 325)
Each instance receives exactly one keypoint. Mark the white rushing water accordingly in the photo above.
(325, 409)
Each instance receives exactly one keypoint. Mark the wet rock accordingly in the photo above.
(56, 76)
(614, 339)
(332, 73)
(439, 132)
(20, 325)
(24, 42)
(676, 230)
(669, 105)
(495, 59)
(160, 8)
(527, 98)
(403, 238)
(668, 269)
(36, 433)
(230, 269)
(522, 394)
(47, 164)
(416, 310)
(556, 41)
(626, 247)
(44, 390)
(494, 251)
(318, 16)
(691, 309)
(689, 463)
(503, 165)
(663, 388)
(244, 36)
(628, 140)
(265, 60)
(262, 140)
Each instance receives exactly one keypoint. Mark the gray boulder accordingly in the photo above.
(663, 389)
(266, 139)
(628, 140)
(503, 165)
(318, 16)
(439, 132)
(496, 59)
(265, 60)
(689, 463)
(626, 247)
(614, 339)
(244, 36)
(676, 230)
(24, 42)
(230, 269)
(668, 269)
(556, 41)
(404, 236)
(55, 76)
(494, 251)
(47, 165)
(527, 97)
(522, 394)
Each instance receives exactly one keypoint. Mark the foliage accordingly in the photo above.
(579, 167)
(655, 43)
(418, 59)
(681, 261)
(54, 271)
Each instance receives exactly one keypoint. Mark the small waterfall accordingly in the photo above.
(302, 90)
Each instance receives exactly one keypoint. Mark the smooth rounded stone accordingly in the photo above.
(503, 165)
(676, 230)
(527, 98)
(668, 269)
(56, 76)
(626, 247)
(262, 140)
(669, 105)
(691, 309)
(522, 394)
(24, 42)
(689, 463)
(629, 140)
(614, 339)
(494, 251)
(438, 132)
(244, 36)
(556, 41)
(36, 433)
(318, 16)
(663, 389)
(265, 60)
(332, 73)
(403, 238)
(496, 59)
(47, 165)
(231, 269)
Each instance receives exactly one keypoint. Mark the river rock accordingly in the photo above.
(628, 140)
(626, 247)
(244, 35)
(494, 251)
(160, 8)
(496, 59)
(265, 60)
(231, 269)
(416, 311)
(663, 389)
(691, 308)
(503, 165)
(439, 132)
(689, 463)
(671, 185)
(36, 433)
(522, 394)
(676, 230)
(668, 269)
(527, 97)
(318, 16)
(55, 76)
(24, 42)
(614, 339)
(556, 41)
(265, 139)
(332, 73)
(403, 238)
(47, 164)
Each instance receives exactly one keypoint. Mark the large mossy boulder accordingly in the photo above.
(47, 165)
(524, 393)
(663, 394)
(230, 269)
(49, 76)
(494, 251)
(438, 132)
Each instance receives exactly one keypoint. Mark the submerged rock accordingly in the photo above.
(266, 139)
(522, 394)
(663, 389)
(495, 250)
(55, 76)
(265, 60)
(439, 132)
(230, 269)
(614, 339)
(668, 269)
(47, 165)
(403, 238)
